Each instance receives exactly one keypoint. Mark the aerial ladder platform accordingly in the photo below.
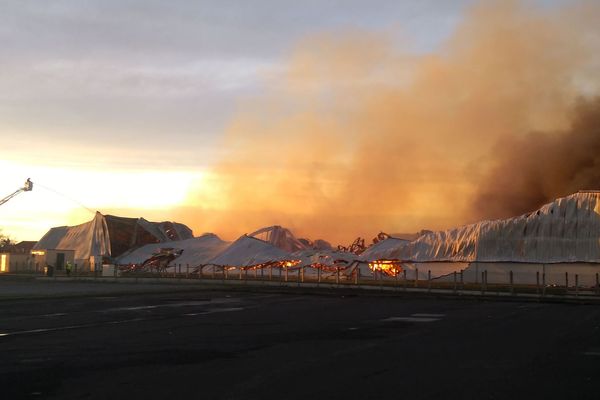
(27, 187)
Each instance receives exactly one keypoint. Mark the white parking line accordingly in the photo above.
(42, 330)
(410, 319)
(68, 327)
(592, 353)
(172, 305)
(214, 311)
(129, 308)
(428, 315)
(220, 310)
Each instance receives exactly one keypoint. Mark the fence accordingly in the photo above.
(547, 280)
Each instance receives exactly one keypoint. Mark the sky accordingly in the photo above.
(126, 107)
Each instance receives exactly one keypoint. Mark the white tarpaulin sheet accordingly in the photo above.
(196, 251)
(565, 230)
(248, 251)
(88, 239)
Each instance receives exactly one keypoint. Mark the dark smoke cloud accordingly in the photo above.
(356, 135)
(535, 169)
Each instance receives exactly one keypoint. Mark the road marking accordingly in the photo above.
(428, 315)
(69, 327)
(188, 303)
(34, 360)
(130, 308)
(171, 305)
(410, 319)
(220, 310)
(214, 311)
(53, 315)
(42, 330)
(123, 321)
(592, 353)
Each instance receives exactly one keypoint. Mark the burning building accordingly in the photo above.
(108, 236)
(248, 251)
(560, 236)
(195, 251)
(564, 230)
(279, 237)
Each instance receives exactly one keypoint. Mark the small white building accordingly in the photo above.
(56, 258)
(17, 258)
(10, 262)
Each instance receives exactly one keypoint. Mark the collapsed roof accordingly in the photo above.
(265, 245)
(323, 257)
(249, 251)
(384, 250)
(196, 251)
(565, 230)
(279, 237)
(109, 235)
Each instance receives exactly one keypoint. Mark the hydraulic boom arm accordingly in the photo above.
(26, 188)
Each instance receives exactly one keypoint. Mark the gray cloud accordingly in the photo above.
(133, 72)
(189, 29)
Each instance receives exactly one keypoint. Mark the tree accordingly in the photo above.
(5, 242)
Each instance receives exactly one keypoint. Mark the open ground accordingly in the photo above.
(157, 341)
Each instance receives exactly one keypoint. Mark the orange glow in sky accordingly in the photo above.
(389, 115)
(69, 196)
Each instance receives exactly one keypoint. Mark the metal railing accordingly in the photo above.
(514, 282)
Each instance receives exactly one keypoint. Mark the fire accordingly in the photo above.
(387, 267)
(273, 264)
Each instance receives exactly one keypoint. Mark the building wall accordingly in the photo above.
(56, 258)
(15, 262)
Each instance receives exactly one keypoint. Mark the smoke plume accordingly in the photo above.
(535, 169)
(358, 135)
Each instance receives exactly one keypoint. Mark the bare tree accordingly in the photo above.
(5, 242)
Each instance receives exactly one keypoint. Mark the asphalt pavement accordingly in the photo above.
(215, 344)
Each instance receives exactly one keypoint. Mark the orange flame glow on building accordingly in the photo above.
(387, 267)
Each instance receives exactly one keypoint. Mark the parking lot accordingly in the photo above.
(221, 344)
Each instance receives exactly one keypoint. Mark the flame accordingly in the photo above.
(274, 264)
(387, 267)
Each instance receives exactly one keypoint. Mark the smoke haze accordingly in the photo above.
(532, 170)
(357, 135)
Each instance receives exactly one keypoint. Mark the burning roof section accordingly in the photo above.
(384, 250)
(249, 251)
(323, 258)
(565, 230)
